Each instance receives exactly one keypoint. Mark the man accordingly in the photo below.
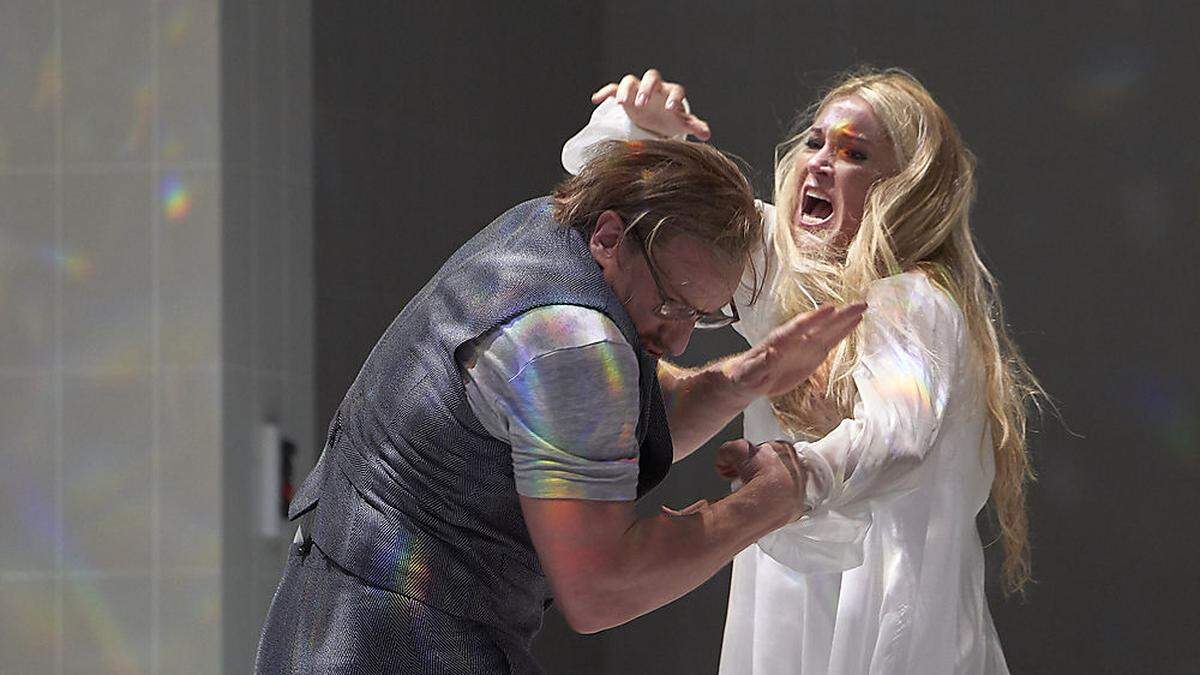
(488, 455)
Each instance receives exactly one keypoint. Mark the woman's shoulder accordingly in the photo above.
(912, 291)
(914, 302)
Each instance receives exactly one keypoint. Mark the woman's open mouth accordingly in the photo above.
(815, 210)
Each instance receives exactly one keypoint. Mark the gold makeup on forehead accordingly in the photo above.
(844, 128)
(841, 133)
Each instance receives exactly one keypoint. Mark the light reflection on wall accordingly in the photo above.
(76, 266)
(50, 80)
(1108, 79)
(176, 199)
(177, 25)
(1169, 412)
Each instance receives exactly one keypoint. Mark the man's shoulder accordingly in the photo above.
(551, 328)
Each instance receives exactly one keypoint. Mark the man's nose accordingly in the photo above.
(678, 334)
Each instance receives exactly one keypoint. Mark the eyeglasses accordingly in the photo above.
(674, 310)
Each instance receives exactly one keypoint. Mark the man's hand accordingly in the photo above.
(654, 105)
(774, 466)
(792, 352)
(607, 566)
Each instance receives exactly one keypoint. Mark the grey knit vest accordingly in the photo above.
(412, 494)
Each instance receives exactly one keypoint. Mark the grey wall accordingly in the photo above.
(424, 113)
(268, 289)
(155, 309)
(110, 299)
(432, 121)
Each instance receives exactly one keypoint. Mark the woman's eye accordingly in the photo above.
(812, 144)
(851, 153)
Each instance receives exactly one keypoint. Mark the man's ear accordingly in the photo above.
(605, 243)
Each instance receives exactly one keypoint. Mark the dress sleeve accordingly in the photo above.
(756, 318)
(912, 337)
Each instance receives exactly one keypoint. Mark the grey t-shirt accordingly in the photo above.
(560, 385)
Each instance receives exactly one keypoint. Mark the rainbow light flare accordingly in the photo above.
(172, 149)
(412, 573)
(81, 591)
(50, 80)
(176, 198)
(139, 129)
(531, 337)
(116, 649)
(1168, 409)
(905, 369)
(177, 25)
(1109, 81)
(843, 127)
(553, 327)
(842, 131)
(76, 266)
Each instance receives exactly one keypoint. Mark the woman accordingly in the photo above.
(912, 421)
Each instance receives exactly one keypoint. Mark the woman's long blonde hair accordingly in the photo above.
(914, 219)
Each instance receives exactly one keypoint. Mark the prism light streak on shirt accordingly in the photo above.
(560, 385)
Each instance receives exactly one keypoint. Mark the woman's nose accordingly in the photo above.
(819, 162)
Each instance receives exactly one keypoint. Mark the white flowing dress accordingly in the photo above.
(885, 574)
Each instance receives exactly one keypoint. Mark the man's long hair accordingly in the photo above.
(664, 189)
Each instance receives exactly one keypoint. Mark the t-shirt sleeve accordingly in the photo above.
(560, 385)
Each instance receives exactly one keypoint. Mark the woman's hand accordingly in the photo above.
(654, 105)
